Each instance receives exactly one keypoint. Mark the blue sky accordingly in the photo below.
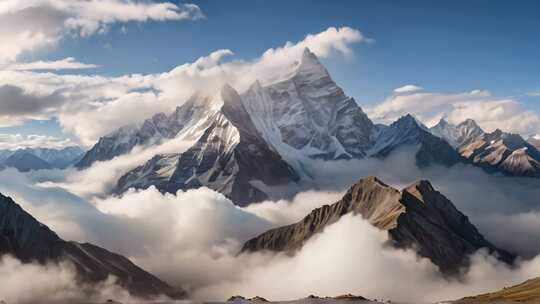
(444, 47)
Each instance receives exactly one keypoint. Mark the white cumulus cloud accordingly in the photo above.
(491, 112)
(30, 25)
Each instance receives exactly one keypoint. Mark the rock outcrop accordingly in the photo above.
(418, 217)
(503, 152)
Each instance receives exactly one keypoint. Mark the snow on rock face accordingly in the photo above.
(500, 151)
(309, 112)
(185, 122)
(407, 131)
(227, 157)
(462, 134)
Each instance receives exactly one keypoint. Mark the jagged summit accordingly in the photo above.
(417, 217)
(457, 135)
(228, 156)
(278, 126)
(408, 131)
(503, 152)
(310, 66)
(27, 159)
(309, 115)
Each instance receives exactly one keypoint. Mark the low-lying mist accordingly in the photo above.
(192, 238)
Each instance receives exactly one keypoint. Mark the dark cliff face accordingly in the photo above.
(406, 131)
(417, 217)
(438, 230)
(28, 240)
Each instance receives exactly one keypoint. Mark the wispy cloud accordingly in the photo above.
(68, 63)
(19, 141)
(408, 89)
(491, 112)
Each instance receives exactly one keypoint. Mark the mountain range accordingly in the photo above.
(417, 217)
(23, 237)
(267, 133)
(497, 151)
(27, 159)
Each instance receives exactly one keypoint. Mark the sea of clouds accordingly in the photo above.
(192, 239)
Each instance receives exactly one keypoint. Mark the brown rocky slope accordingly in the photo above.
(417, 217)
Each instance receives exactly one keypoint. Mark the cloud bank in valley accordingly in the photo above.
(52, 283)
(192, 238)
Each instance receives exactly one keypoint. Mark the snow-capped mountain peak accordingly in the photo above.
(507, 152)
(457, 135)
(310, 66)
(308, 114)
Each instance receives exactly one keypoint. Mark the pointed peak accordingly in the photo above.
(372, 180)
(470, 123)
(408, 118)
(369, 183)
(306, 53)
(227, 88)
(255, 86)
(230, 96)
(420, 189)
(310, 64)
(309, 57)
(497, 132)
(409, 121)
(443, 123)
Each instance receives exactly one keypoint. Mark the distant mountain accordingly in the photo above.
(188, 121)
(28, 159)
(407, 131)
(58, 158)
(526, 292)
(457, 135)
(30, 241)
(25, 161)
(227, 158)
(418, 217)
(503, 152)
(534, 140)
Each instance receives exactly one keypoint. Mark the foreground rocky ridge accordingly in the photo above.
(345, 298)
(28, 240)
(417, 217)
